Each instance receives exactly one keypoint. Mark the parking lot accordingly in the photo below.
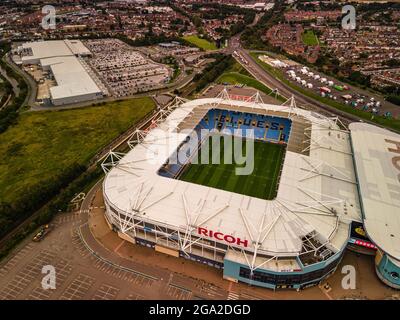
(26, 276)
(79, 273)
(330, 88)
(123, 70)
(128, 276)
(128, 272)
(15, 259)
(64, 269)
(178, 293)
(78, 288)
(106, 292)
(335, 90)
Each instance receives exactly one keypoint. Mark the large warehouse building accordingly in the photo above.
(293, 237)
(63, 58)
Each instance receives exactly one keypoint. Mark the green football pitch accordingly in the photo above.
(261, 183)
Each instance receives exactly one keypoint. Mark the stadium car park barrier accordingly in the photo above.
(97, 256)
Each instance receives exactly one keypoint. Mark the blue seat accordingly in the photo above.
(275, 129)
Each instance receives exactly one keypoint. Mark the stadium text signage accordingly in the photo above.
(222, 237)
(396, 159)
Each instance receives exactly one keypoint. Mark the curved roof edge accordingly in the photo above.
(377, 163)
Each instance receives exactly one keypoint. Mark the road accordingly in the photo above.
(12, 81)
(32, 86)
(259, 73)
(14, 84)
(265, 78)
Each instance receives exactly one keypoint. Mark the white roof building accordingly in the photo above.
(71, 77)
(377, 161)
(317, 192)
(44, 49)
(77, 48)
(62, 58)
(34, 51)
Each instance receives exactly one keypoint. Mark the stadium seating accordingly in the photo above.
(264, 127)
(267, 128)
(180, 157)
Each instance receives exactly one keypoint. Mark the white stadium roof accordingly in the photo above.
(377, 159)
(317, 192)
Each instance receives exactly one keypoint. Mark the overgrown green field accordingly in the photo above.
(42, 144)
(261, 183)
(201, 43)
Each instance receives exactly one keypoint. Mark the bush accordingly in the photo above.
(47, 213)
(395, 99)
(213, 71)
(32, 200)
(9, 115)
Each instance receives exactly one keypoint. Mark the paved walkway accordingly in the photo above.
(109, 257)
(106, 245)
(204, 281)
(201, 280)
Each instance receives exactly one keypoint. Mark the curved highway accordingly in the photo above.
(259, 73)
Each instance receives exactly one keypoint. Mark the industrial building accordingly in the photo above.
(32, 52)
(63, 61)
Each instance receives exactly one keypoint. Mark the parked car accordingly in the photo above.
(43, 231)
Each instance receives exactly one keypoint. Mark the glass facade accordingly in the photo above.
(288, 280)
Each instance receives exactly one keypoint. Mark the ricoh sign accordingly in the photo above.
(396, 152)
(222, 237)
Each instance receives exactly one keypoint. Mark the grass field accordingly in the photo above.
(309, 38)
(201, 43)
(262, 183)
(43, 143)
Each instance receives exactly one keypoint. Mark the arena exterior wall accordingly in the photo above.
(300, 236)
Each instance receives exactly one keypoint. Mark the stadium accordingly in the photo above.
(285, 225)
